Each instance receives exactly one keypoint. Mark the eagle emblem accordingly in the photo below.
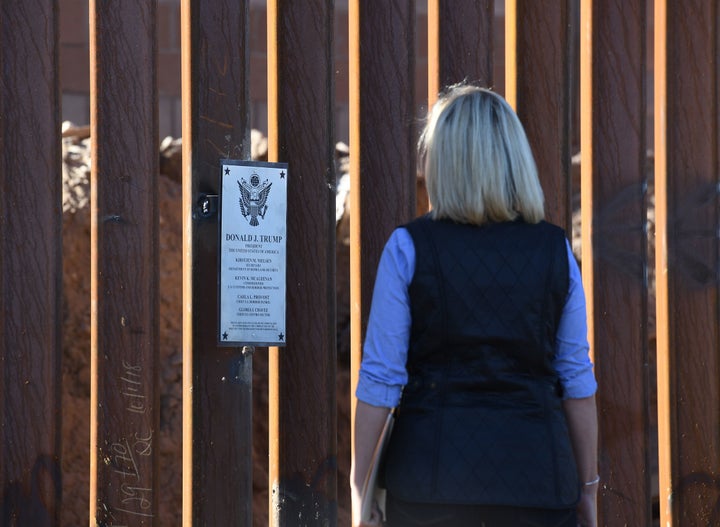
(253, 197)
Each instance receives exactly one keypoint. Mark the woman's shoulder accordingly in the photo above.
(415, 222)
(549, 228)
(427, 222)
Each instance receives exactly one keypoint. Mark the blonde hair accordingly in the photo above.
(477, 161)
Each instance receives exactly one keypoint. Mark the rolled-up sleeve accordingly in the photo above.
(382, 371)
(572, 360)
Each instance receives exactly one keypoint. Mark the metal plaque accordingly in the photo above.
(253, 240)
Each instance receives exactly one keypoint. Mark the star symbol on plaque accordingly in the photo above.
(227, 171)
(281, 337)
(225, 335)
(282, 175)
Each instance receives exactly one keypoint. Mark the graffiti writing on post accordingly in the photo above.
(129, 458)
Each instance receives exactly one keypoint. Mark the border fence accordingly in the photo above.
(579, 75)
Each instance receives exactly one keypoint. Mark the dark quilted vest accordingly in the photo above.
(481, 420)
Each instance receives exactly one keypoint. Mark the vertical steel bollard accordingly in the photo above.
(217, 382)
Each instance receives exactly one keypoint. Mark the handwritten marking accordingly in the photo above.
(134, 495)
(132, 388)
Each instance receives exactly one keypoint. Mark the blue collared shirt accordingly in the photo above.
(382, 372)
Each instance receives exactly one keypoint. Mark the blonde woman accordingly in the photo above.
(477, 336)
